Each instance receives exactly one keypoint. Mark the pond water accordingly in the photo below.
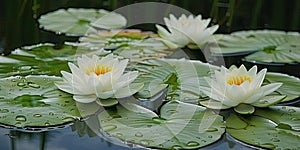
(18, 27)
(66, 138)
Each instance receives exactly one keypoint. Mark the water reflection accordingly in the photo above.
(58, 139)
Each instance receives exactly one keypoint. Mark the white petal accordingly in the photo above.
(128, 91)
(119, 68)
(67, 76)
(162, 32)
(258, 80)
(236, 93)
(105, 95)
(64, 86)
(126, 79)
(257, 95)
(270, 88)
(252, 72)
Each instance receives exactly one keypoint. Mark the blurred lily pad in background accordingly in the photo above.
(269, 46)
(81, 21)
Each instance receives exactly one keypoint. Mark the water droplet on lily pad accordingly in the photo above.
(68, 119)
(109, 128)
(139, 134)
(275, 140)
(118, 134)
(291, 110)
(209, 136)
(33, 85)
(51, 113)
(192, 144)
(20, 118)
(47, 124)
(211, 130)
(268, 145)
(176, 147)
(21, 84)
(37, 115)
(145, 142)
(4, 110)
(25, 68)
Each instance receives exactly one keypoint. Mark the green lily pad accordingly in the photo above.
(34, 101)
(290, 86)
(49, 52)
(184, 78)
(266, 45)
(275, 128)
(80, 21)
(179, 126)
(18, 65)
(130, 43)
(107, 102)
(244, 109)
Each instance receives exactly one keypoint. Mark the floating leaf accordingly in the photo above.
(107, 102)
(80, 21)
(267, 45)
(34, 101)
(130, 43)
(184, 78)
(42, 59)
(49, 52)
(273, 128)
(244, 109)
(18, 65)
(179, 126)
(290, 86)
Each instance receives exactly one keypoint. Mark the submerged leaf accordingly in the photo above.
(179, 126)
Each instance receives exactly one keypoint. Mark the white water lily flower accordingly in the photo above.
(95, 78)
(186, 30)
(235, 86)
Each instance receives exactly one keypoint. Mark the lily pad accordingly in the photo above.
(34, 101)
(274, 128)
(130, 43)
(184, 78)
(49, 52)
(179, 126)
(290, 86)
(80, 21)
(18, 65)
(266, 45)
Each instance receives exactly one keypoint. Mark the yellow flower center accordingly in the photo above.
(99, 70)
(238, 80)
